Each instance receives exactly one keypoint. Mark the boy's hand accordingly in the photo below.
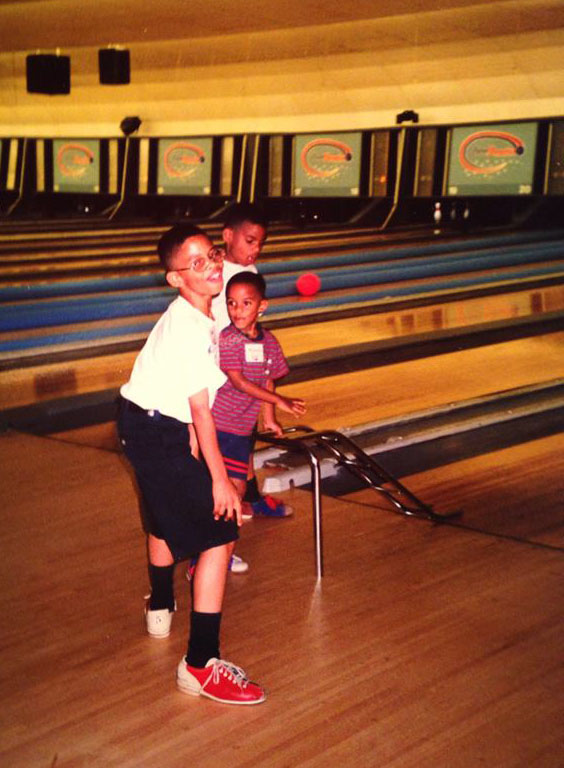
(270, 425)
(226, 501)
(291, 405)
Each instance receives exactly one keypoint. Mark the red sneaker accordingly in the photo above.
(219, 680)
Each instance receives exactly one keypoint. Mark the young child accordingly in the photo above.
(189, 507)
(252, 359)
(244, 234)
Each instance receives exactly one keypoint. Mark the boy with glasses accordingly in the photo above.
(190, 508)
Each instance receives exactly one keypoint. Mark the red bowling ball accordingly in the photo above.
(308, 284)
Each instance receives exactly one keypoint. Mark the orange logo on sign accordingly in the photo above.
(182, 159)
(74, 159)
(325, 158)
(489, 152)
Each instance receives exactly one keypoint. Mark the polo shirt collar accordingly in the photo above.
(258, 337)
(191, 310)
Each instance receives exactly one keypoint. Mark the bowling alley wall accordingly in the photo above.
(496, 63)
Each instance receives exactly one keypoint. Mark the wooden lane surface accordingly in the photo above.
(35, 383)
(424, 645)
(11, 251)
(81, 277)
(441, 315)
(293, 246)
(73, 234)
(303, 337)
(86, 255)
(34, 267)
(276, 230)
(69, 234)
(391, 391)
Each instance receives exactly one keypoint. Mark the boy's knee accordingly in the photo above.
(230, 548)
(222, 550)
(159, 552)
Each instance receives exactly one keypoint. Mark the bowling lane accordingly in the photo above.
(464, 313)
(65, 378)
(34, 267)
(92, 243)
(373, 394)
(304, 334)
(73, 377)
(13, 236)
(87, 255)
(294, 250)
(360, 397)
(114, 307)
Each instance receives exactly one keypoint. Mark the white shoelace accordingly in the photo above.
(230, 671)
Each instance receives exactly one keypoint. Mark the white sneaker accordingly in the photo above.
(159, 622)
(238, 565)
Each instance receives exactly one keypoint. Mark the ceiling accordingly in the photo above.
(28, 25)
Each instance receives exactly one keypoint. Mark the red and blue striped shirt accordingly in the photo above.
(257, 359)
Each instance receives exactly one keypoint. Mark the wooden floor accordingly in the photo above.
(423, 646)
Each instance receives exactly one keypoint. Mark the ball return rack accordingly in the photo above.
(347, 454)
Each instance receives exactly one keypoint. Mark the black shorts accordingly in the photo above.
(176, 488)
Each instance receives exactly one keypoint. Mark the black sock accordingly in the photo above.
(252, 493)
(203, 644)
(162, 589)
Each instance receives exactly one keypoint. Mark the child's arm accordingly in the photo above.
(225, 497)
(269, 421)
(295, 406)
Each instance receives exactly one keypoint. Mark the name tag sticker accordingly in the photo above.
(254, 353)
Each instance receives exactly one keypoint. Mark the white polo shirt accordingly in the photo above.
(179, 359)
(219, 304)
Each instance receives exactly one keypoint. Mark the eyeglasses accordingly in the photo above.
(215, 254)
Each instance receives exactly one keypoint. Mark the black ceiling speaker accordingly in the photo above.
(113, 65)
(48, 73)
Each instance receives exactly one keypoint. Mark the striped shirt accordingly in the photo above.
(257, 360)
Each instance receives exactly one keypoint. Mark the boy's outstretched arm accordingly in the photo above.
(225, 497)
(295, 406)
(269, 421)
